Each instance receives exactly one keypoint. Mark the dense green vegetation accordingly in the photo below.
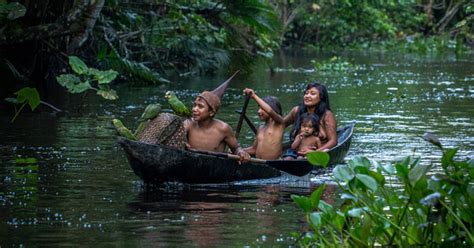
(420, 210)
(155, 40)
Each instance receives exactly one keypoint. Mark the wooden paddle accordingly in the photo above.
(242, 114)
(249, 122)
(294, 167)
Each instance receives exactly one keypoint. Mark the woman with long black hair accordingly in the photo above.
(316, 101)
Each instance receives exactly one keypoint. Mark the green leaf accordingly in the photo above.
(318, 158)
(78, 66)
(108, 94)
(315, 219)
(29, 95)
(68, 80)
(355, 212)
(316, 196)
(26, 161)
(378, 177)
(402, 171)
(325, 207)
(12, 11)
(343, 173)
(79, 88)
(359, 161)
(345, 196)
(302, 202)
(339, 221)
(448, 156)
(72, 83)
(103, 77)
(367, 181)
(414, 232)
(418, 172)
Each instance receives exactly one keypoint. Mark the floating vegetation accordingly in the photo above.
(335, 64)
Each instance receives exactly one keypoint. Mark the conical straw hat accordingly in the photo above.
(213, 98)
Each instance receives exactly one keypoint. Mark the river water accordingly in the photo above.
(81, 190)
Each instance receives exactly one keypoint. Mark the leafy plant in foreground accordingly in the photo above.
(25, 96)
(418, 211)
(85, 77)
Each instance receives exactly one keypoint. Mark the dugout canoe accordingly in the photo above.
(155, 163)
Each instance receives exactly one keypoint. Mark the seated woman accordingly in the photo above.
(315, 100)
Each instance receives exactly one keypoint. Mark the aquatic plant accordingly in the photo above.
(420, 210)
(334, 64)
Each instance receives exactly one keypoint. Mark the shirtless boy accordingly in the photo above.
(206, 133)
(268, 144)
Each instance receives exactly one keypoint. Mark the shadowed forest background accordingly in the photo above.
(152, 42)
(397, 68)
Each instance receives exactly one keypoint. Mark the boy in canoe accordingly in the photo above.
(268, 143)
(209, 134)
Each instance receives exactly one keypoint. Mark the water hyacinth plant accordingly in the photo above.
(420, 210)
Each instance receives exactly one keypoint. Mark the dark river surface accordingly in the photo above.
(81, 191)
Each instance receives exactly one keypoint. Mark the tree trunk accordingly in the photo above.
(87, 22)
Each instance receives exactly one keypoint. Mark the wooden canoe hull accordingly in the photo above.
(158, 163)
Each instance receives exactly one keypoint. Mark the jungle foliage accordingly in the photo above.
(421, 210)
(410, 25)
(151, 41)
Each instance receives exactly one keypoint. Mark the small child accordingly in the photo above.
(307, 139)
(268, 143)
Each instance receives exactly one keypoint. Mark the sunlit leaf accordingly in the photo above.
(359, 161)
(368, 181)
(345, 196)
(402, 171)
(414, 233)
(318, 158)
(355, 212)
(72, 83)
(103, 77)
(77, 65)
(339, 221)
(302, 202)
(343, 173)
(316, 196)
(418, 172)
(315, 219)
(68, 80)
(108, 94)
(325, 207)
(378, 177)
(29, 95)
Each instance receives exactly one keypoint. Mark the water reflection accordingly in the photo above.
(82, 191)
